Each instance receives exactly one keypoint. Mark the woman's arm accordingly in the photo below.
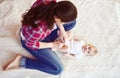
(50, 45)
(63, 34)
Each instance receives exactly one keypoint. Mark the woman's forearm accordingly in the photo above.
(46, 45)
(61, 28)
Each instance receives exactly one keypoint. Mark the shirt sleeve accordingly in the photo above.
(33, 40)
(34, 36)
(31, 37)
(38, 2)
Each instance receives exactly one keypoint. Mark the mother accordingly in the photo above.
(38, 33)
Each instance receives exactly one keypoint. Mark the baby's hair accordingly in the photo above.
(94, 49)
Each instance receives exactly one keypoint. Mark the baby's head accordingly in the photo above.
(89, 50)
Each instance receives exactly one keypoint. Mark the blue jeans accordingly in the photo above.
(47, 60)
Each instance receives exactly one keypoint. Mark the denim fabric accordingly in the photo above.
(47, 60)
(53, 36)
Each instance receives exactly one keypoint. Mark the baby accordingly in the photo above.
(78, 48)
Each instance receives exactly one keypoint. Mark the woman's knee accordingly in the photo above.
(70, 25)
(58, 70)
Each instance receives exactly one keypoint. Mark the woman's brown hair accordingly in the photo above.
(64, 10)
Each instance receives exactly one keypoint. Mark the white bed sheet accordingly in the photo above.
(98, 22)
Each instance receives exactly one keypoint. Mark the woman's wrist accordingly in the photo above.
(46, 45)
(51, 45)
(61, 28)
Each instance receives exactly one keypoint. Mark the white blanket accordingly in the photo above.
(98, 22)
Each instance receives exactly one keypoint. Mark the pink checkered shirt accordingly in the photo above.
(32, 36)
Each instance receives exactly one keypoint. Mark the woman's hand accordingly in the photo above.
(58, 44)
(70, 35)
(63, 36)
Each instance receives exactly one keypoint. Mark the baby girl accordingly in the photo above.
(77, 48)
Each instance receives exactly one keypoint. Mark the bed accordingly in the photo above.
(98, 22)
